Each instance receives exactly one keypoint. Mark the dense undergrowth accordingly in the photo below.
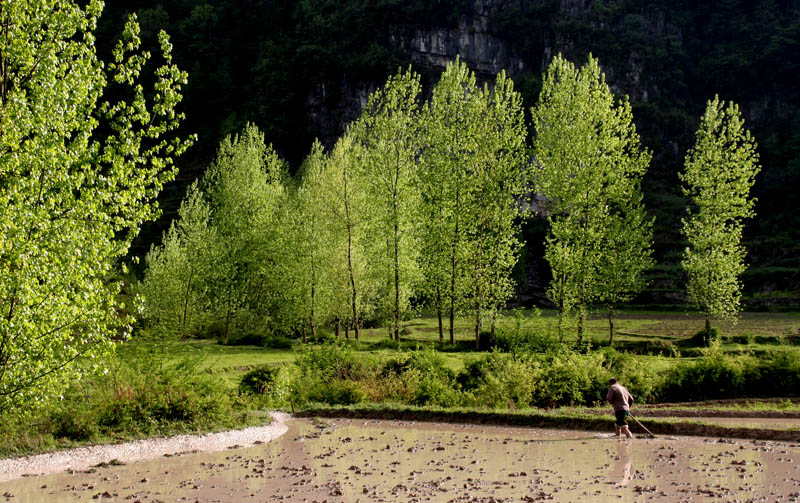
(146, 391)
(559, 376)
(140, 394)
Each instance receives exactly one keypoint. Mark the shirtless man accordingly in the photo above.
(621, 399)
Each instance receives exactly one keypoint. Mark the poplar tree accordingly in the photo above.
(245, 190)
(179, 272)
(389, 143)
(308, 248)
(720, 171)
(79, 173)
(590, 164)
(497, 184)
(348, 207)
(451, 124)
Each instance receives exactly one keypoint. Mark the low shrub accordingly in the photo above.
(777, 373)
(259, 380)
(71, 423)
(703, 338)
(569, 378)
(329, 362)
(434, 390)
(715, 376)
(643, 384)
(159, 408)
(499, 380)
(248, 339)
(335, 392)
(277, 342)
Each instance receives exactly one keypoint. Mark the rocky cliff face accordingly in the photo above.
(484, 52)
(487, 49)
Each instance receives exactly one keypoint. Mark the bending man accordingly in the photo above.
(621, 400)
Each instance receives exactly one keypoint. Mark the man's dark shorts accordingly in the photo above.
(622, 417)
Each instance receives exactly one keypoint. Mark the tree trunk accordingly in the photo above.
(228, 313)
(453, 272)
(186, 302)
(350, 257)
(313, 299)
(610, 326)
(338, 328)
(561, 309)
(439, 313)
(346, 329)
(580, 328)
(396, 279)
(478, 302)
(478, 325)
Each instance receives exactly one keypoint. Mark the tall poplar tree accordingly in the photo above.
(452, 123)
(590, 164)
(79, 173)
(245, 189)
(179, 272)
(308, 248)
(388, 137)
(349, 208)
(497, 184)
(720, 171)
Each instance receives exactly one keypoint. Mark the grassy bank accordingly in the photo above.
(142, 392)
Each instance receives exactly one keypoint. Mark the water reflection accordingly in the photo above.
(623, 472)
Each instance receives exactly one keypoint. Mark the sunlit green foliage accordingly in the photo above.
(591, 163)
(221, 263)
(720, 170)
(79, 173)
(389, 142)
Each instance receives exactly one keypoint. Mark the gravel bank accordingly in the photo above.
(83, 458)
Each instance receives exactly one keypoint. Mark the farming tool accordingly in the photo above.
(643, 427)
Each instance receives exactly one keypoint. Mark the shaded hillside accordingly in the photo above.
(303, 69)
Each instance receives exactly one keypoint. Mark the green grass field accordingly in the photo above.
(753, 332)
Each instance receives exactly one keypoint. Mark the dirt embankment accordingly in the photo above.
(582, 422)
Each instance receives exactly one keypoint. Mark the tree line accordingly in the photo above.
(417, 202)
(420, 204)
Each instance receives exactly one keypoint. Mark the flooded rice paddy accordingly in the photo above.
(364, 461)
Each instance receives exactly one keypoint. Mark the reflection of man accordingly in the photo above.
(621, 400)
(622, 473)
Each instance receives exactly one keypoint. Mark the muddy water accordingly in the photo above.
(364, 461)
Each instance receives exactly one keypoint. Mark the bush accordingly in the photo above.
(72, 424)
(277, 342)
(499, 380)
(569, 378)
(703, 338)
(248, 339)
(434, 390)
(336, 392)
(633, 372)
(160, 407)
(711, 377)
(777, 373)
(259, 380)
(329, 362)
